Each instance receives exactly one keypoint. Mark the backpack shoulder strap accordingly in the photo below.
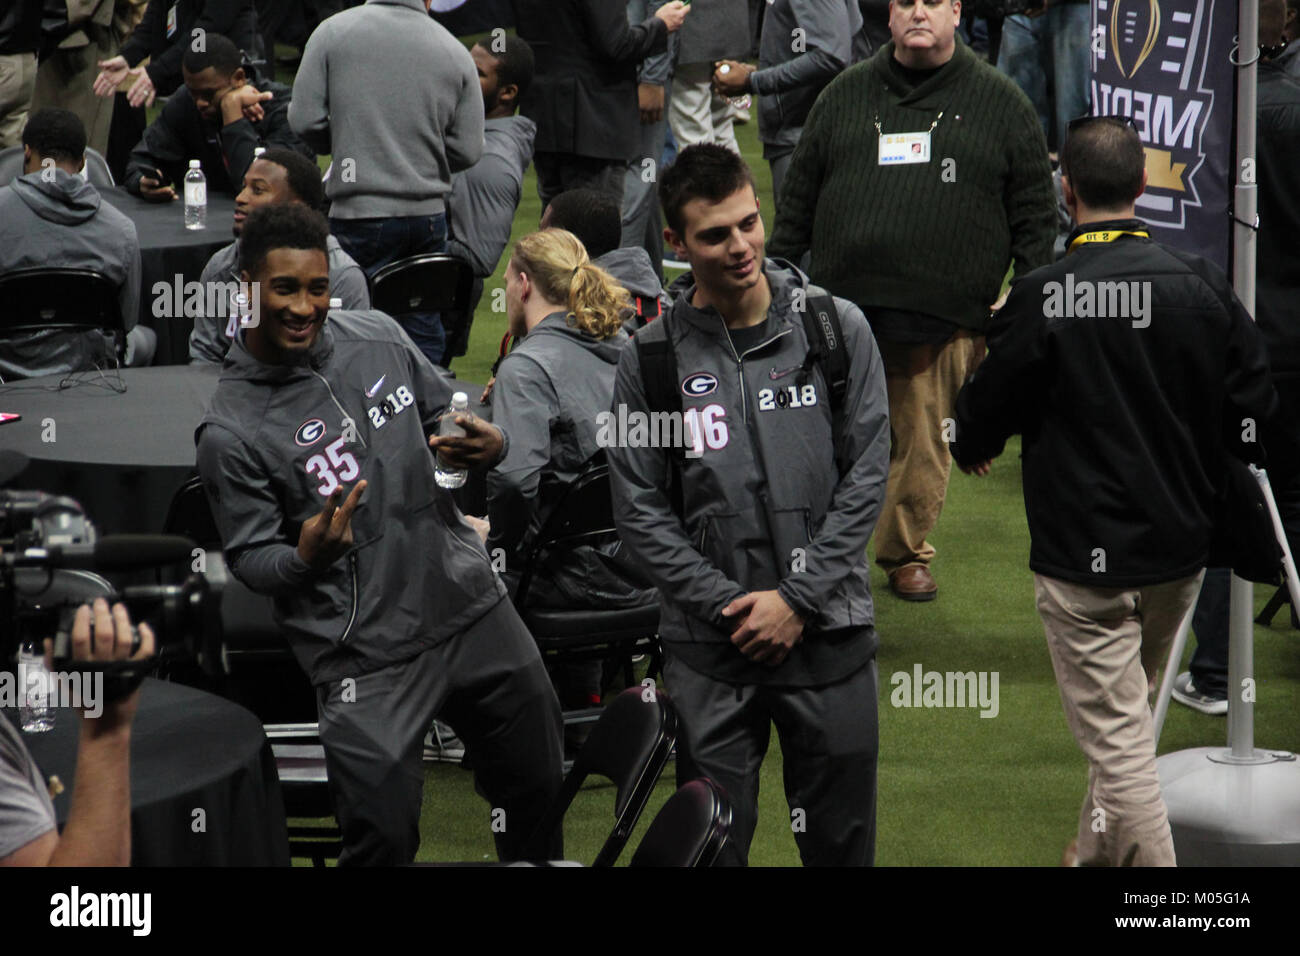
(821, 322)
(659, 380)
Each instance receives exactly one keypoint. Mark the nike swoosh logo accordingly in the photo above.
(370, 392)
(774, 374)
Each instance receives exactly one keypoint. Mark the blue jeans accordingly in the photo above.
(374, 243)
(1058, 40)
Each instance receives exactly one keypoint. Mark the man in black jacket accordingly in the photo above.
(220, 117)
(583, 98)
(1130, 369)
(20, 35)
(167, 30)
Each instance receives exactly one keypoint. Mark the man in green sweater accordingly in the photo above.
(921, 175)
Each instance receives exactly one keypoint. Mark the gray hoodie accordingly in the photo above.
(212, 334)
(548, 394)
(481, 208)
(632, 269)
(386, 87)
(790, 74)
(784, 495)
(273, 444)
(62, 222)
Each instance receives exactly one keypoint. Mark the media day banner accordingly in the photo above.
(1165, 64)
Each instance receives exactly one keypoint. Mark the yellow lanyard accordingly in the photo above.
(1108, 235)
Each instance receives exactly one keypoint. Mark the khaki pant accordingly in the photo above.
(1106, 646)
(17, 82)
(922, 382)
(696, 113)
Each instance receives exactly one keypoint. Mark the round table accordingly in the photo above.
(124, 454)
(190, 751)
(168, 249)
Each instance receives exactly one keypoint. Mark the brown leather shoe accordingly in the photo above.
(913, 583)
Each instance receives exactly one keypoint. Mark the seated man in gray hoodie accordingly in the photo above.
(484, 198)
(50, 217)
(275, 176)
(597, 222)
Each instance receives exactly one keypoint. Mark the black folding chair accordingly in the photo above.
(434, 282)
(689, 830)
(252, 653)
(54, 299)
(629, 746)
(583, 515)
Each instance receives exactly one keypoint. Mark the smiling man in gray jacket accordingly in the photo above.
(756, 532)
(387, 596)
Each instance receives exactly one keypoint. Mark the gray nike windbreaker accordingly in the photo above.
(277, 440)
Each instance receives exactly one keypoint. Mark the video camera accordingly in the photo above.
(52, 561)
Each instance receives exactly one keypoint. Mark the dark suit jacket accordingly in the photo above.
(233, 19)
(583, 95)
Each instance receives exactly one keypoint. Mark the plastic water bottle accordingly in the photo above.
(196, 197)
(741, 102)
(34, 690)
(451, 477)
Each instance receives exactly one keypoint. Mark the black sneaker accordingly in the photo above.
(1186, 693)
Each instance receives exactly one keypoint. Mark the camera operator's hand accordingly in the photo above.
(104, 634)
(326, 537)
(98, 832)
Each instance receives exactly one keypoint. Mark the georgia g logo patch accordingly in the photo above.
(310, 432)
(701, 383)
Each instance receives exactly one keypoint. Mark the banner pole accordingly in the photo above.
(1241, 626)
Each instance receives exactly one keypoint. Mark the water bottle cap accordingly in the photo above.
(336, 303)
(259, 150)
(460, 399)
(194, 164)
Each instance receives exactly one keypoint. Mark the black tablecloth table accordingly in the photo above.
(167, 249)
(121, 455)
(124, 455)
(190, 751)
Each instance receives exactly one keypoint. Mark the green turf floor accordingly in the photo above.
(954, 788)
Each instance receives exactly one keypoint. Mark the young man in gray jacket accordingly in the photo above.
(395, 99)
(760, 551)
(275, 176)
(387, 596)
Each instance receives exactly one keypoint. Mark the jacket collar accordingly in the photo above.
(962, 62)
(1105, 225)
(783, 279)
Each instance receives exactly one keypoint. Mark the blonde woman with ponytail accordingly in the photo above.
(568, 316)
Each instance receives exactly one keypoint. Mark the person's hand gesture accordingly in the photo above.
(673, 14)
(768, 629)
(111, 74)
(480, 447)
(326, 537)
(141, 92)
(244, 103)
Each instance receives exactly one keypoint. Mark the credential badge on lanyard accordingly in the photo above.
(171, 21)
(896, 149)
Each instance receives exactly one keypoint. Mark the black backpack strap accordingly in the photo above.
(659, 380)
(821, 322)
